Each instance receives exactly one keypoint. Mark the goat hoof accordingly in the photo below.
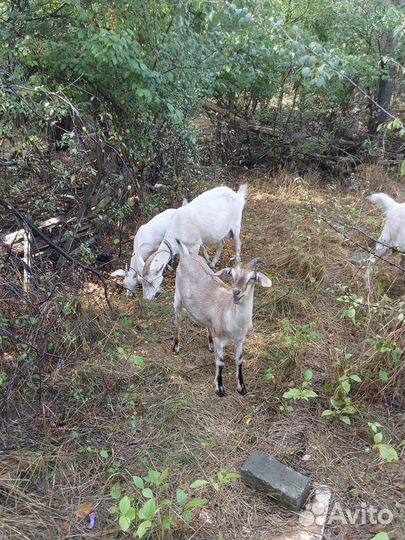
(242, 390)
(220, 391)
(211, 265)
(211, 346)
(176, 348)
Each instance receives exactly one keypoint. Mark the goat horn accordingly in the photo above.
(256, 261)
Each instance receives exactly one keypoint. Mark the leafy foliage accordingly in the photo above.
(152, 508)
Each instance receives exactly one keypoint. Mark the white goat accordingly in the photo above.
(226, 311)
(393, 233)
(210, 218)
(146, 242)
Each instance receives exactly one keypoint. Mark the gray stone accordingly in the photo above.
(360, 258)
(287, 486)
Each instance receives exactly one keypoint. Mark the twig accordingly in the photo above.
(54, 246)
(364, 248)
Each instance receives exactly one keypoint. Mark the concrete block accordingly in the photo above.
(287, 486)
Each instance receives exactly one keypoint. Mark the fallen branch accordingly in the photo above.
(58, 249)
(241, 122)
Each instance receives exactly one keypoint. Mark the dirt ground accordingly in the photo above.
(166, 414)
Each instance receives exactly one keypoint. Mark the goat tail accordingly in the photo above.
(243, 192)
(382, 200)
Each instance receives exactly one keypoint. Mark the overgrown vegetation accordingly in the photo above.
(113, 112)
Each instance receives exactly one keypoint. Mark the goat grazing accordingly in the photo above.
(146, 242)
(393, 233)
(226, 311)
(210, 218)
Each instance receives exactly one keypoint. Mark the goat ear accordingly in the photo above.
(224, 272)
(118, 273)
(141, 262)
(183, 248)
(263, 280)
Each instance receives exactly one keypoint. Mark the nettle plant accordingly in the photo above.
(385, 450)
(303, 333)
(354, 305)
(391, 354)
(304, 392)
(153, 509)
(341, 405)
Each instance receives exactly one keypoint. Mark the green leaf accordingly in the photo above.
(355, 378)
(187, 516)
(294, 393)
(116, 492)
(104, 454)
(309, 393)
(153, 476)
(388, 453)
(319, 81)
(381, 536)
(148, 509)
(181, 497)
(308, 375)
(383, 375)
(327, 412)
(167, 522)
(124, 504)
(138, 482)
(346, 386)
(196, 503)
(348, 409)
(350, 313)
(215, 486)
(198, 483)
(137, 360)
(306, 72)
(124, 523)
(268, 375)
(131, 514)
(345, 420)
(148, 493)
(378, 437)
(143, 527)
(165, 474)
(231, 476)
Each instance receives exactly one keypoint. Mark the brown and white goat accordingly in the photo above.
(225, 310)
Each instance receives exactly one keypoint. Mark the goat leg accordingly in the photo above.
(241, 387)
(219, 364)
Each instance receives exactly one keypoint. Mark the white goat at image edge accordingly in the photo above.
(393, 233)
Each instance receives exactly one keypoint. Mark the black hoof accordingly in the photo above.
(242, 390)
(211, 346)
(220, 391)
(176, 348)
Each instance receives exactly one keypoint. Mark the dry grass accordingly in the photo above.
(167, 415)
